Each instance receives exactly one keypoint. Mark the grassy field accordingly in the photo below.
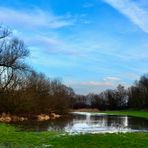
(143, 114)
(9, 136)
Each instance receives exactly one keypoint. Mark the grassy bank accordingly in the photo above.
(143, 114)
(18, 139)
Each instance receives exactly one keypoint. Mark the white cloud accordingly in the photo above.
(134, 11)
(34, 18)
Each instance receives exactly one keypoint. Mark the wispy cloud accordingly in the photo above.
(93, 84)
(42, 41)
(34, 18)
(54, 46)
(85, 87)
(99, 84)
(88, 5)
(133, 10)
(112, 78)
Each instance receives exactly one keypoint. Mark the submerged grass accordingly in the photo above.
(11, 137)
(143, 114)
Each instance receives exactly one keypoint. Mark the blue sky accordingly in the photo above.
(91, 45)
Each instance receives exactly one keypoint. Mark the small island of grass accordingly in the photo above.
(143, 114)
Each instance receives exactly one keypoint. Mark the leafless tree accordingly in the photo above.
(12, 53)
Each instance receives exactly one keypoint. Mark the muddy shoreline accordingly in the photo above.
(7, 118)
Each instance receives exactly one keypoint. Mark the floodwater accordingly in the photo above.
(83, 122)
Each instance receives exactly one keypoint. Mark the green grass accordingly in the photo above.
(143, 114)
(18, 139)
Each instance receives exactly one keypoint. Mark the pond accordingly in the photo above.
(83, 122)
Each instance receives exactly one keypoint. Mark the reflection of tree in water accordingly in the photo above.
(116, 121)
(100, 120)
(138, 123)
(51, 125)
(59, 124)
(79, 117)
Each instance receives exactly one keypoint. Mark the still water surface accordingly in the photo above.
(82, 122)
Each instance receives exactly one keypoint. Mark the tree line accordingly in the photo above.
(22, 89)
(134, 97)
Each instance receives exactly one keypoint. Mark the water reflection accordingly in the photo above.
(94, 123)
(89, 123)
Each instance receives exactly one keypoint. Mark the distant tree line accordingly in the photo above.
(23, 90)
(134, 97)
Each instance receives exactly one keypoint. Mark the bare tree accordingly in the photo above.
(12, 53)
(4, 32)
